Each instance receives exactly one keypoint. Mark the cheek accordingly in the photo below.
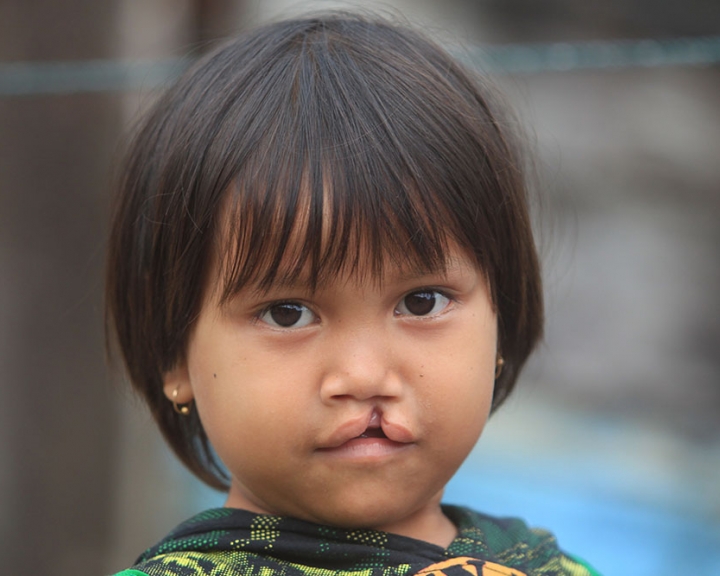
(458, 380)
(247, 402)
(465, 403)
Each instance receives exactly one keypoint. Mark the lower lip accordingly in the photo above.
(366, 449)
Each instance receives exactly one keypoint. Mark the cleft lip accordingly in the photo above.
(370, 425)
(373, 433)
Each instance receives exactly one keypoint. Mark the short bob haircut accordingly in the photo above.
(337, 144)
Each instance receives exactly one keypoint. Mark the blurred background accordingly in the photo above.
(613, 437)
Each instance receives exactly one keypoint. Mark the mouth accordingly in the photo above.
(371, 435)
(374, 426)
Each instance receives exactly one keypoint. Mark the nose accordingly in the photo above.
(362, 365)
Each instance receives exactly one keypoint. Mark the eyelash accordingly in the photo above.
(426, 290)
(265, 314)
(259, 317)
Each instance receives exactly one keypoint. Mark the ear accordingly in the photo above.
(176, 384)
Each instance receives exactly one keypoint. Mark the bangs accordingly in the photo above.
(342, 224)
(346, 166)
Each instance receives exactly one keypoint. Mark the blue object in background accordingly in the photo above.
(616, 536)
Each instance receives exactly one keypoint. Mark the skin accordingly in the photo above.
(357, 414)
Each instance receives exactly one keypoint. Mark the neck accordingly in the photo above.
(428, 524)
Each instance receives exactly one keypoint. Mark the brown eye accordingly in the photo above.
(423, 303)
(287, 315)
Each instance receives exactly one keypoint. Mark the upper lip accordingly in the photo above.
(355, 427)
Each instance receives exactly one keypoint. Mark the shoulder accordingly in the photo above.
(511, 542)
(185, 564)
(191, 549)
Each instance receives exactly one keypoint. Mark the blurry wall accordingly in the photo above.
(631, 205)
(57, 421)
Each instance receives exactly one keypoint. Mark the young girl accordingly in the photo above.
(322, 279)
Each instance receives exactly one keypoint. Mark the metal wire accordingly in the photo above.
(37, 78)
(598, 55)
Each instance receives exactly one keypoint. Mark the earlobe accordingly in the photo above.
(176, 385)
(499, 363)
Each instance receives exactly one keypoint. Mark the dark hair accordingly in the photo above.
(336, 142)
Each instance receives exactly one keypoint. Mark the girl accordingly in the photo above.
(322, 279)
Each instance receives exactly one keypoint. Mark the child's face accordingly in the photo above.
(352, 405)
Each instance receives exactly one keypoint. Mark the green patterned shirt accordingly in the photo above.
(232, 542)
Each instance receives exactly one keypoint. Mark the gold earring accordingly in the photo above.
(499, 366)
(182, 409)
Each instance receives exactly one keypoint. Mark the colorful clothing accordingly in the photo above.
(231, 542)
